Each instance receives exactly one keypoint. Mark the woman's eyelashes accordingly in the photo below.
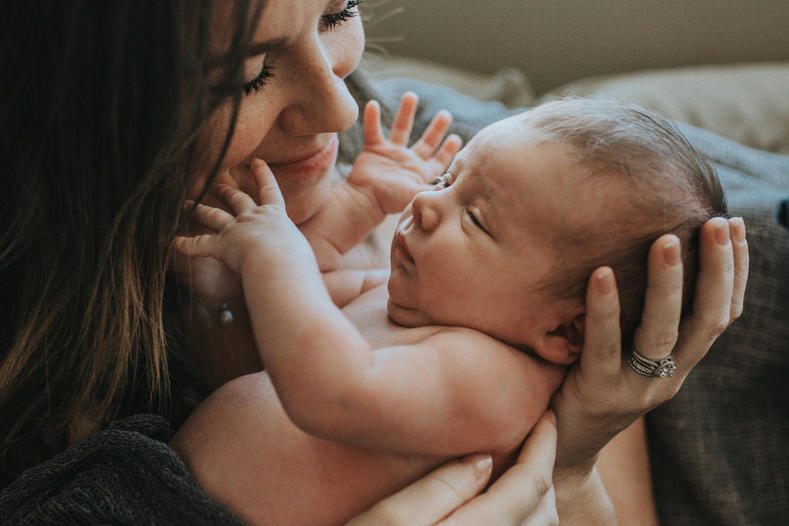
(257, 84)
(332, 20)
(328, 21)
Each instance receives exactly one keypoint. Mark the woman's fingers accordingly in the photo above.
(524, 492)
(713, 294)
(657, 333)
(602, 339)
(545, 514)
(522, 496)
(741, 261)
(403, 121)
(433, 497)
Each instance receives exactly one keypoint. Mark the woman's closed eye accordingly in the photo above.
(328, 21)
(331, 20)
(266, 72)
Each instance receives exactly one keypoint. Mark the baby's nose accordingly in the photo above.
(424, 211)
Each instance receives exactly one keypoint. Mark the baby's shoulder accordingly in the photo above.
(455, 338)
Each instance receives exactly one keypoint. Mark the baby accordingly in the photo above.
(482, 313)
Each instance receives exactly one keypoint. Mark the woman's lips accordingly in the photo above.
(310, 164)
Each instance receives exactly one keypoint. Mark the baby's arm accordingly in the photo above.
(344, 286)
(449, 393)
(384, 179)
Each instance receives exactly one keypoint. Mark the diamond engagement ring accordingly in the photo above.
(646, 367)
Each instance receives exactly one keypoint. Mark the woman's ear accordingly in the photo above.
(563, 344)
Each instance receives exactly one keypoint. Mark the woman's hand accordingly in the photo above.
(524, 495)
(602, 395)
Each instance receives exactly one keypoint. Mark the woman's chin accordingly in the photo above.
(309, 203)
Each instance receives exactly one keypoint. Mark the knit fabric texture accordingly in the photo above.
(125, 475)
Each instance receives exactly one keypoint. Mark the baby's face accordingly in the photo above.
(475, 252)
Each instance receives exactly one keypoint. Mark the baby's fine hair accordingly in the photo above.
(675, 190)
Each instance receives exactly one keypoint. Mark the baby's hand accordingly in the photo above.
(389, 169)
(245, 230)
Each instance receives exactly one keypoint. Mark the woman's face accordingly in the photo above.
(294, 100)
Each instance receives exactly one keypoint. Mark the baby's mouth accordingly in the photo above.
(402, 249)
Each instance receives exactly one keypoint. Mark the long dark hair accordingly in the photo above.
(101, 102)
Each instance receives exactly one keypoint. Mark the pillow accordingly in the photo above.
(748, 104)
(508, 85)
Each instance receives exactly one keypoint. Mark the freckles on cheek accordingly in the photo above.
(252, 126)
(248, 135)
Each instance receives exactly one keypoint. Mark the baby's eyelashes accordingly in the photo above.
(443, 181)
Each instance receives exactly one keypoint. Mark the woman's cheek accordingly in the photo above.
(251, 128)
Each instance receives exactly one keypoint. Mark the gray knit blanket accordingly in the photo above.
(125, 475)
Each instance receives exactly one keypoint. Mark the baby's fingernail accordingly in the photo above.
(671, 252)
(481, 464)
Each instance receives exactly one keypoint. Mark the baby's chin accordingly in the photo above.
(406, 317)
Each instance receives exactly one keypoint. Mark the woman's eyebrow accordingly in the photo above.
(255, 49)
(258, 48)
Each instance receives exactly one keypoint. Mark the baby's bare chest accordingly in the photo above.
(368, 313)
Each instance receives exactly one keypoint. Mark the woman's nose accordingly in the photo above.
(321, 102)
(424, 211)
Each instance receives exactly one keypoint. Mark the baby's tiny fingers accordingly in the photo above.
(268, 188)
(194, 246)
(404, 120)
(433, 135)
(210, 217)
(238, 201)
(446, 153)
(373, 132)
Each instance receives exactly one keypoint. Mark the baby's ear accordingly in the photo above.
(563, 344)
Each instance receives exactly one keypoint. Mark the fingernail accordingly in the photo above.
(481, 464)
(552, 416)
(737, 229)
(722, 233)
(671, 253)
(605, 281)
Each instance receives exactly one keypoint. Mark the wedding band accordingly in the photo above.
(646, 367)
